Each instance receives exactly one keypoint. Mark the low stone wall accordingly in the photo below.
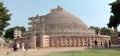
(115, 40)
(76, 41)
(65, 41)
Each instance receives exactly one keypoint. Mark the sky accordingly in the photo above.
(91, 12)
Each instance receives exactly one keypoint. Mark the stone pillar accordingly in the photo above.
(65, 42)
(78, 44)
(82, 42)
(73, 42)
(52, 42)
(70, 42)
(61, 42)
(41, 41)
(55, 43)
(33, 42)
(44, 41)
(57, 40)
(92, 41)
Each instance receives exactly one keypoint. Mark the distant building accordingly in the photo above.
(59, 28)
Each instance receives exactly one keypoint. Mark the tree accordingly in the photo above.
(20, 28)
(112, 22)
(4, 18)
(106, 31)
(102, 31)
(115, 17)
(97, 29)
(9, 33)
(119, 34)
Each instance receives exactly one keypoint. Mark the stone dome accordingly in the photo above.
(61, 22)
(63, 18)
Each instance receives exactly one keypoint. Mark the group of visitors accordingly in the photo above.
(105, 44)
(24, 46)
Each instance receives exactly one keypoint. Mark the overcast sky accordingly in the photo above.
(91, 12)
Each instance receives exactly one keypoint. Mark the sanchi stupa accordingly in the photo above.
(58, 28)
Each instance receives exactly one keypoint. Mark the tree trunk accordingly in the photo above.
(115, 31)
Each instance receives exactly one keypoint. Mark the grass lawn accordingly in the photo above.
(88, 52)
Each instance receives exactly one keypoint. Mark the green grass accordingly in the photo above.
(88, 52)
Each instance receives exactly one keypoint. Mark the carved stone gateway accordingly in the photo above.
(17, 33)
(59, 28)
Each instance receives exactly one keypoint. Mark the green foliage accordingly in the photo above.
(102, 31)
(7, 40)
(4, 18)
(115, 17)
(9, 33)
(112, 22)
(20, 28)
(97, 29)
(106, 31)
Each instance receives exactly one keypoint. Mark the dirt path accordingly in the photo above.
(33, 52)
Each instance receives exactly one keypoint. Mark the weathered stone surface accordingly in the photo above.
(60, 22)
(60, 28)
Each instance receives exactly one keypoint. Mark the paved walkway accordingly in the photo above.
(33, 52)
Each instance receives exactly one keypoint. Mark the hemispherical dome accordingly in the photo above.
(63, 18)
(61, 22)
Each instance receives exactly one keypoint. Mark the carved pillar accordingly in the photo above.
(52, 42)
(74, 42)
(57, 39)
(78, 43)
(65, 42)
(61, 40)
(70, 42)
(82, 42)
(33, 42)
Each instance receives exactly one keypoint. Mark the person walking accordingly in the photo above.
(96, 44)
(23, 47)
(15, 46)
(106, 44)
(109, 44)
(18, 46)
(88, 43)
(26, 46)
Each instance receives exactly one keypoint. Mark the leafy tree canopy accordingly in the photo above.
(102, 31)
(4, 18)
(9, 33)
(97, 29)
(106, 31)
